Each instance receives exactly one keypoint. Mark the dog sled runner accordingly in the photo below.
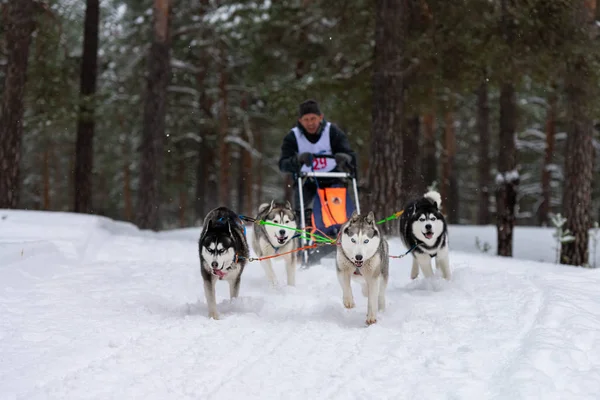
(332, 206)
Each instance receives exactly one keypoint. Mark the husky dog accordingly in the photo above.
(223, 254)
(363, 256)
(269, 240)
(423, 229)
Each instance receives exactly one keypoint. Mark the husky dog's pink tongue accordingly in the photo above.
(219, 273)
(281, 239)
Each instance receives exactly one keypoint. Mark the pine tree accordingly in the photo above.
(19, 27)
(508, 178)
(153, 142)
(579, 157)
(388, 111)
(84, 149)
(484, 164)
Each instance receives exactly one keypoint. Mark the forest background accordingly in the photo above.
(157, 111)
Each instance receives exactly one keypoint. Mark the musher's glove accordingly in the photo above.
(343, 161)
(306, 159)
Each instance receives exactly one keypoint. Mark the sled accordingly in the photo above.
(332, 207)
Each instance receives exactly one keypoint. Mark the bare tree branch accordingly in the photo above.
(354, 72)
(271, 162)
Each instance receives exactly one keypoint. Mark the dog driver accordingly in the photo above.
(314, 135)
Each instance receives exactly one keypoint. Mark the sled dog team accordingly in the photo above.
(362, 252)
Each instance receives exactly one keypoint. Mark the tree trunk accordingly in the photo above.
(205, 156)
(127, 203)
(46, 178)
(247, 163)
(249, 182)
(579, 158)
(449, 190)
(18, 29)
(241, 179)
(578, 169)
(84, 148)
(412, 183)
(181, 184)
(545, 207)
(206, 195)
(103, 196)
(153, 137)
(508, 178)
(224, 156)
(245, 192)
(429, 161)
(212, 165)
(126, 159)
(205, 104)
(259, 171)
(484, 166)
(201, 183)
(71, 180)
(385, 166)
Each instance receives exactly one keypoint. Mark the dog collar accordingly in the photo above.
(274, 248)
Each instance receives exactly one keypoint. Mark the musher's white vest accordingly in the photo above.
(322, 146)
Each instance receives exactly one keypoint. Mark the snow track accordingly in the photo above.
(94, 309)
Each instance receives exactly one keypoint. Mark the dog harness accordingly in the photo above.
(240, 223)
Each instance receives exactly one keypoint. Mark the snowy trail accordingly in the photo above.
(94, 309)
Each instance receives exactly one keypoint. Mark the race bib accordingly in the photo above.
(319, 163)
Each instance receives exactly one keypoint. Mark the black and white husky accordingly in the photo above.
(423, 229)
(223, 254)
(269, 240)
(363, 255)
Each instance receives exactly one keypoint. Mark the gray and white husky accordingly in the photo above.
(363, 256)
(269, 240)
(223, 254)
(423, 228)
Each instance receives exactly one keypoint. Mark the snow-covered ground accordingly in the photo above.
(94, 309)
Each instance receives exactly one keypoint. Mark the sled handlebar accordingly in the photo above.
(323, 156)
(327, 174)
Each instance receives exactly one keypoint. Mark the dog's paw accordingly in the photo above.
(291, 277)
(414, 271)
(349, 303)
(274, 284)
(291, 281)
(371, 317)
(213, 315)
